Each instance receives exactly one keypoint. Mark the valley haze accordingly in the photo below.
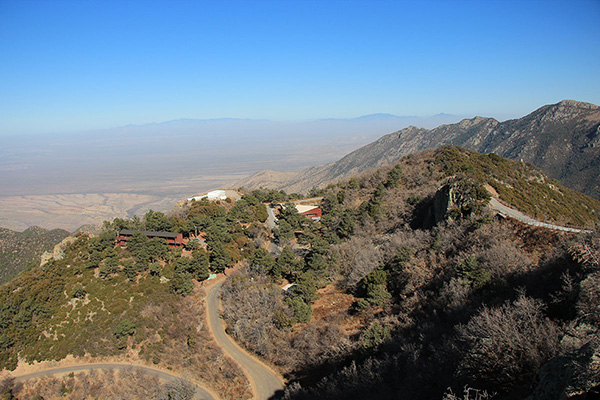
(69, 180)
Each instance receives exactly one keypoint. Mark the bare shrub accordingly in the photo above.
(468, 394)
(507, 344)
(249, 306)
(179, 389)
(104, 384)
(454, 295)
(504, 257)
(357, 258)
(588, 305)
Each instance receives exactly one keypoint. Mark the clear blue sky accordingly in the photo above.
(76, 65)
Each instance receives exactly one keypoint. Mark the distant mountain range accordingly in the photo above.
(562, 139)
(430, 121)
(182, 150)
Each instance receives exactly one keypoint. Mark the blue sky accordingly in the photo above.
(78, 65)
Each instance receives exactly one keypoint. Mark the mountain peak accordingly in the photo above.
(561, 139)
(378, 116)
(576, 104)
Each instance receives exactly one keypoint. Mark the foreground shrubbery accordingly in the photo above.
(424, 295)
(470, 301)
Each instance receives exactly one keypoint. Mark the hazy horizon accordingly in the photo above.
(78, 66)
(141, 101)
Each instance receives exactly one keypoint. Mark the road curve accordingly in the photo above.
(201, 394)
(265, 383)
(511, 212)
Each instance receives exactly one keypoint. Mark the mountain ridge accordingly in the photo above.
(540, 138)
(22, 250)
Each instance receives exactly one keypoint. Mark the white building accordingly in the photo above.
(214, 195)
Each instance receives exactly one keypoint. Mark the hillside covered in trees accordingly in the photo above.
(20, 251)
(407, 286)
(402, 291)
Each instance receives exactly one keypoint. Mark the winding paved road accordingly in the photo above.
(265, 382)
(511, 212)
(201, 394)
(271, 220)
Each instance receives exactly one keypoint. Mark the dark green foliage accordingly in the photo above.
(157, 222)
(219, 258)
(470, 270)
(345, 229)
(375, 335)
(272, 196)
(288, 264)
(22, 250)
(289, 214)
(261, 261)
(319, 246)
(315, 262)
(374, 287)
(217, 234)
(181, 283)
(201, 261)
(137, 245)
(393, 177)
(79, 291)
(109, 265)
(353, 183)
(157, 249)
(302, 311)
(284, 232)
(146, 250)
(184, 264)
(130, 270)
(124, 328)
(94, 259)
(314, 192)
(192, 245)
(248, 209)
(155, 269)
(306, 286)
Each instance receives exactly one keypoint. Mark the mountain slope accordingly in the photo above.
(21, 250)
(562, 139)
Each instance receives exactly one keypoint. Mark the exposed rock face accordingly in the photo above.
(58, 253)
(562, 139)
(442, 202)
(572, 376)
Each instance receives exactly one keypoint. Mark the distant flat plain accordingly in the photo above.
(69, 180)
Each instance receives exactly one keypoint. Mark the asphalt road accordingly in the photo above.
(511, 212)
(201, 394)
(271, 220)
(265, 383)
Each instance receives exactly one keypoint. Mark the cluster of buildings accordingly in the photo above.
(175, 239)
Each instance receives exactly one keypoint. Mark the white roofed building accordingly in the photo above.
(213, 195)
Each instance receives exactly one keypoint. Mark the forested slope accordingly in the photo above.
(20, 251)
(407, 286)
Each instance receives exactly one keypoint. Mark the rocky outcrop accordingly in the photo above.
(458, 198)
(442, 202)
(58, 253)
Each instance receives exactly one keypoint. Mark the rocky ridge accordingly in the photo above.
(562, 139)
